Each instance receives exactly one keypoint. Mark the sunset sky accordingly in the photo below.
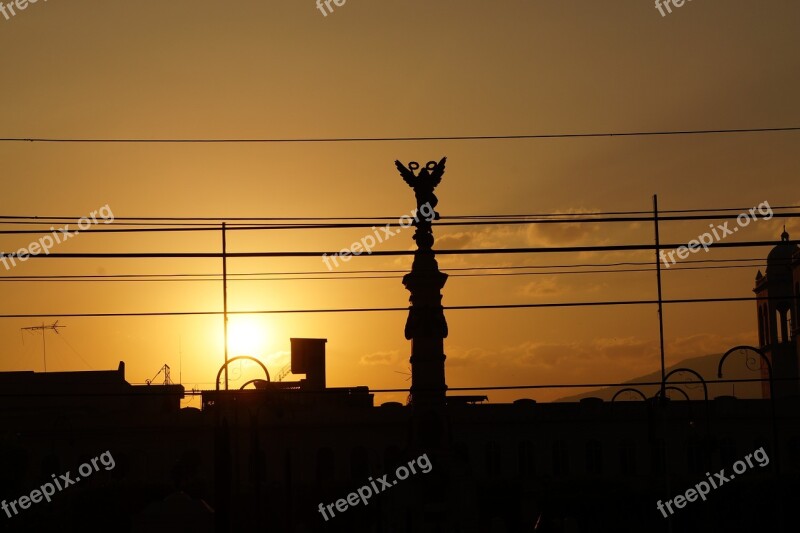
(213, 70)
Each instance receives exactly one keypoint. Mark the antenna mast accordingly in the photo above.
(54, 327)
(167, 379)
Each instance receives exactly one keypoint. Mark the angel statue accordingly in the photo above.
(424, 182)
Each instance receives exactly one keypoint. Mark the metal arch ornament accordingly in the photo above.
(695, 373)
(249, 382)
(763, 358)
(629, 389)
(754, 349)
(705, 390)
(753, 363)
(240, 357)
(676, 389)
(775, 442)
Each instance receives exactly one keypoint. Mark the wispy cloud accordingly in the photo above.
(631, 352)
(380, 358)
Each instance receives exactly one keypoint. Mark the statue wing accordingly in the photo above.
(408, 176)
(438, 172)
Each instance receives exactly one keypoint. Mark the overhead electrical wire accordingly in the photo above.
(399, 138)
(391, 271)
(206, 228)
(390, 309)
(161, 390)
(378, 253)
(40, 219)
(216, 278)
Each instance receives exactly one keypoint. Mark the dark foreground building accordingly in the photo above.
(265, 459)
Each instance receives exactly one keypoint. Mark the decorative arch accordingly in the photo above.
(629, 389)
(249, 382)
(676, 389)
(694, 373)
(237, 358)
(761, 354)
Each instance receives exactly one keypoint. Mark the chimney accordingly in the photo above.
(308, 357)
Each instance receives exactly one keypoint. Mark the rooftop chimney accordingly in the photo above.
(308, 357)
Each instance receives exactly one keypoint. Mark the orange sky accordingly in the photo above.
(266, 69)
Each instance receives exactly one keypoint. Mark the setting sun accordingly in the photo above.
(246, 336)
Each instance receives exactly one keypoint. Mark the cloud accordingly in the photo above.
(775, 225)
(380, 358)
(456, 241)
(607, 350)
(631, 352)
(486, 237)
(704, 344)
(542, 286)
(547, 287)
(278, 358)
(461, 358)
(565, 234)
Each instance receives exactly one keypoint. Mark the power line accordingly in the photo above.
(598, 385)
(157, 390)
(395, 309)
(40, 219)
(403, 139)
(216, 277)
(378, 253)
(758, 260)
(505, 222)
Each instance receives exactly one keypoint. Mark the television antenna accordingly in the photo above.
(167, 379)
(43, 328)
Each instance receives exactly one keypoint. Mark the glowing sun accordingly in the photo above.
(246, 336)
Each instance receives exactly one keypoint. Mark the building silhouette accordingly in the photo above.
(778, 294)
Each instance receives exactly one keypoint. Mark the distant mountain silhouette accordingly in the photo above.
(706, 366)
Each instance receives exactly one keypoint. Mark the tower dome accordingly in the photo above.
(779, 260)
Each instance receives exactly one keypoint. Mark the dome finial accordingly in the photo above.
(784, 235)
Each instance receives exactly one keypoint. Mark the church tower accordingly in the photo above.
(777, 293)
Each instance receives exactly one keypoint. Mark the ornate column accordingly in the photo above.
(426, 326)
